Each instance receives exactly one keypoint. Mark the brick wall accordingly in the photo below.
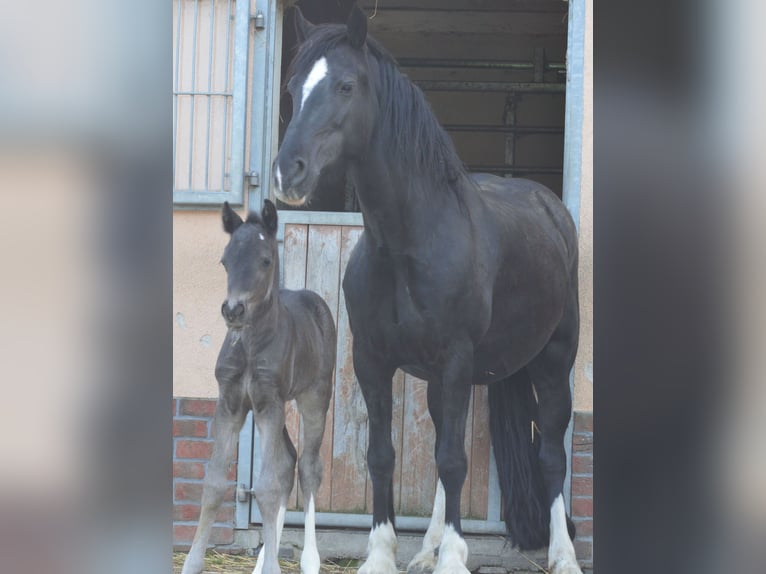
(193, 434)
(582, 485)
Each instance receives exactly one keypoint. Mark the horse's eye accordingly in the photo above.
(266, 262)
(346, 88)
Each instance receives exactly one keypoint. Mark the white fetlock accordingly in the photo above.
(381, 551)
(561, 554)
(193, 564)
(310, 561)
(453, 553)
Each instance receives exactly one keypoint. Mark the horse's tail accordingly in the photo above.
(512, 410)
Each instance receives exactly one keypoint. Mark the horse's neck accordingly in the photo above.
(393, 203)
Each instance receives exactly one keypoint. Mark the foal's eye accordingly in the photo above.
(346, 88)
(266, 262)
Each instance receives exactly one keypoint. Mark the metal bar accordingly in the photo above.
(209, 93)
(226, 100)
(487, 128)
(514, 170)
(239, 100)
(475, 64)
(175, 87)
(193, 85)
(573, 117)
(209, 88)
(364, 521)
(244, 472)
(197, 197)
(514, 87)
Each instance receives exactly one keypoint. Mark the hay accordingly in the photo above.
(217, 562)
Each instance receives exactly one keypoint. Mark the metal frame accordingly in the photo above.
(573, 121)
(236, 147)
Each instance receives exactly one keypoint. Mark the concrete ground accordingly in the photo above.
(487, 554)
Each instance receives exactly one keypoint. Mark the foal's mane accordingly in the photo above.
(406, 121)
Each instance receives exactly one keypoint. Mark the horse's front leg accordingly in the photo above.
(275, 480)
(229, 416)
(375, 381)
(450, 454)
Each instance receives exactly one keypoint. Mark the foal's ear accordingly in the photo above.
(269, 217)
(230, 219)
(303, 28)
(357, 27)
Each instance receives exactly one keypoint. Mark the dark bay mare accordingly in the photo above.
(458, 279)
(280, 346)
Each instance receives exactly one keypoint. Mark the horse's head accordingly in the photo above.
(334, 105)
(250, 260)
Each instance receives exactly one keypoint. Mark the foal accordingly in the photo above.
(280, 346)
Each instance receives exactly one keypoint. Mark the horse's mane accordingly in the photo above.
(406, 120)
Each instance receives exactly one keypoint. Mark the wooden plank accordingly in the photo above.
(465, 493)
(480, 449)
(349, 465)
(418, 482)
(294, 274)
(323, 277)
(397, 434)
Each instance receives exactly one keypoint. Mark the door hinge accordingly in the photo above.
(253, 178)
(243, 493)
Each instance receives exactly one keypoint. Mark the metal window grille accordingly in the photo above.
(209, 97)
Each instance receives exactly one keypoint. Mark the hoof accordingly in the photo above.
(565, 567)
(193, 565)
(451, 567)
(423, 563)
(378, 564)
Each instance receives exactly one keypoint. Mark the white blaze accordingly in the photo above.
(317, 73)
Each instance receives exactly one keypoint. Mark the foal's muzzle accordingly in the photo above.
(232, 316)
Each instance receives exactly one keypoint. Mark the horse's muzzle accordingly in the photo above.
(232, 316)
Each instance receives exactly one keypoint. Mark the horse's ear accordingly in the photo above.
(303, 28)
(357, 27)
(269, 217)
(230, 219)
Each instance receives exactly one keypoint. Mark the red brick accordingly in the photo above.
(192, 492)
(582, 443)
(582, 464)
(185, 469)
(190, 427)
(584, 528)
(194, 449)
(197, 407)
(583, 421)
(190, 513)
(582, 507)
(232, 474)
(175, 408)
(183, 532)
(584, 550)
(582, 486)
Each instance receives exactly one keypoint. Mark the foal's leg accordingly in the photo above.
(424, 561)
(450, 456)
(313, 405)
(229, 416)
(549, 372)
(275, 480)
(375, 381)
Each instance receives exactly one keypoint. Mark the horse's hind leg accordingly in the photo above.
(228, 423)
(549, 372)
(313, 405)
(275, 480)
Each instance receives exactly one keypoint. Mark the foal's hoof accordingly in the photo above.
(423, 563)
(378, 564)
(565, 567)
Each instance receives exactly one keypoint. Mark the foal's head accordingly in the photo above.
(334, 105)
(251, 263)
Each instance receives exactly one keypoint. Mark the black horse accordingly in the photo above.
(280, 346)
(458, 279)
